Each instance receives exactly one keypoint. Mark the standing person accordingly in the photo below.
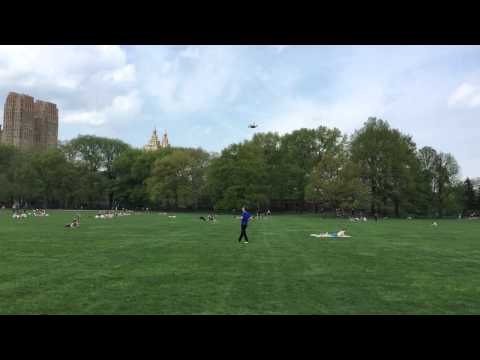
(243, 225)
(376, 217)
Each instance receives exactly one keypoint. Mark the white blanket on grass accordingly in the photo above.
(329, 236)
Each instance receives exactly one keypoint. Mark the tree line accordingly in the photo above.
(376, 170)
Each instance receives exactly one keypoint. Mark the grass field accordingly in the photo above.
(151, 264)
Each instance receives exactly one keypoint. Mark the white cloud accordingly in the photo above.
(92, 85)
(123, 108)
(193, 79)
(93, 118)
(53, 64)
(346, 114)
(124, 74)
(465, 95)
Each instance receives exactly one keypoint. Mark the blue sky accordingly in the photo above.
(205, 96)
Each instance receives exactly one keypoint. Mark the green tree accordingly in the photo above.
(387, 163)
(334, 182)
(132, 168)
(24, 178)
(402, 170)
(268, 147)
(300, 151)
(238, 177)
(469, 196)
(446, 171)
(9, 156)
(425, 179)
(97, 155)
(178, 179)
(439, 178)
(56, 178)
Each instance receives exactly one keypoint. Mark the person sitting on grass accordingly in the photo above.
(341, 233)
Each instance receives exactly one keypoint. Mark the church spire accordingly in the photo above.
(165, 140)
(153, 144)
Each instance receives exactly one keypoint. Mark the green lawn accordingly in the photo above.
(151, 264)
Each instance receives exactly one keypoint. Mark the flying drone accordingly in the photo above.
(253, 126)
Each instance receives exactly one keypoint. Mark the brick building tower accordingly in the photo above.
(46, 124)
(18, 124)
(28, 124)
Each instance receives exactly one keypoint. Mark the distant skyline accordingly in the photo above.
(205, 96)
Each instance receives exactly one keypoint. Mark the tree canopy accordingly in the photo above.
(376, 169)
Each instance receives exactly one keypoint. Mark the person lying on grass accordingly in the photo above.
(74, 223)
(341, 233)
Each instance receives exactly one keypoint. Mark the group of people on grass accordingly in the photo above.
(40, 212)
(110, 214)
(23, 214)
(474, 216)
(357, 219)
(20, 214)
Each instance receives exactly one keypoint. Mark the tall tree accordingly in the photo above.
(402, 171)
(97, 154)
(426, 179)
(9, 157)
(178, 179)
(334, 182)
(301, 150)
(268, 147)
(440, 172)
(446, 171)
(238, 177)
(386, 159)
(469, 196)
(131, 170)
(56, 178)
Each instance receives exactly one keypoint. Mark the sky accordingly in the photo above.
(205, 96)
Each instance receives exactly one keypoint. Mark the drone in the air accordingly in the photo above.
(253, 126)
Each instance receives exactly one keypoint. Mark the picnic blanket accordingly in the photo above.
(329, 236)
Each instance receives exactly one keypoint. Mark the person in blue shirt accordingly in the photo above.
(243, 225)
